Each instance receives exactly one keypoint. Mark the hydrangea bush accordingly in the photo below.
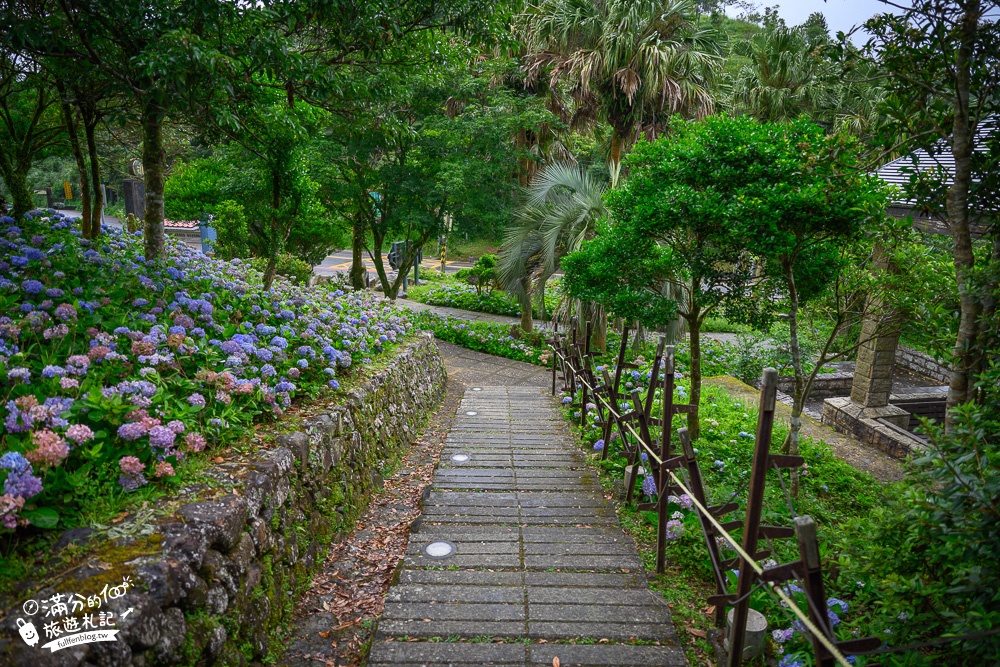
(114, 369)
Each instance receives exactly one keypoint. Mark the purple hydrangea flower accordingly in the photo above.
(161, 437)
(23, 484)
(131, 431)
(197, 400)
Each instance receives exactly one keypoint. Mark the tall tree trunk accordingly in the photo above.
(694, 331)
(791, 444)
(97, 206)
(279, 232)
(16, 179)
(527, 322)
(524, 300)
(357, 255)
(378, 239)
(957, 203)
(271, 270)
(153, 159)
(695, 317)
(81, 164)
(615, 162)
(601, 330)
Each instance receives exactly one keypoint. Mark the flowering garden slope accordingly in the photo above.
(114, 369)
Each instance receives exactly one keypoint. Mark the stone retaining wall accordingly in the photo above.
(924, 364)
(824, 386)
(221, 572)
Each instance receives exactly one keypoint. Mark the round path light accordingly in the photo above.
(477, 389)
(460, 458)
(439, 549)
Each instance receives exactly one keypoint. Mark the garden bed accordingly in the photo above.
(456, 293)
(114, 371)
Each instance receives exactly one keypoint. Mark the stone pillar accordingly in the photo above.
(876, 362)
(134, 193)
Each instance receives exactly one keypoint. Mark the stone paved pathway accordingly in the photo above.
(540, 568)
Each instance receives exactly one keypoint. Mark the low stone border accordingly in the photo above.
(219, 576)
(824, 385)
(846, 416)
(924, 364)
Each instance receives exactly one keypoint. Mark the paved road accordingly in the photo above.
(538, 554)
(340, 261)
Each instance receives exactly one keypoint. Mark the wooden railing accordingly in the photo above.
(633, 428)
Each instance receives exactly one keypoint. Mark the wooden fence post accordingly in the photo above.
(755, 502)
(812, 581)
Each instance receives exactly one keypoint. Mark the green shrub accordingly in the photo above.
(483, 274)
(931, 559)
(193, 189)
(232, 237)
(289, 266)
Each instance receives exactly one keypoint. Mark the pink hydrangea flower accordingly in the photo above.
(164, 469)
(10, 507)
(195, 442)
(78, 364)
(50, 448)
(79, 433)
(131, 465)
(69, 383)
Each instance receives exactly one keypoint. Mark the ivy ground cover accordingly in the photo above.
(114, 369)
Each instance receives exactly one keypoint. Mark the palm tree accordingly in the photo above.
(784, 78)
(629, 63)
(561, 209)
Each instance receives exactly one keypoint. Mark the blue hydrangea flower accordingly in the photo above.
(15, 462)
(649, 486)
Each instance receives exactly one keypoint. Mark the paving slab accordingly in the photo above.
(537, 553)
(580, 655)
(453, 655)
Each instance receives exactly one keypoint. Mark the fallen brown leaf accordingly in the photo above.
(697, 633)
(324, 635)
(555, 661)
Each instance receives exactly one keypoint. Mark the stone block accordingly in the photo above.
(298, 443)
(167, 582)
(227, 515)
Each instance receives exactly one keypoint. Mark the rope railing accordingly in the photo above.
(808, 568)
